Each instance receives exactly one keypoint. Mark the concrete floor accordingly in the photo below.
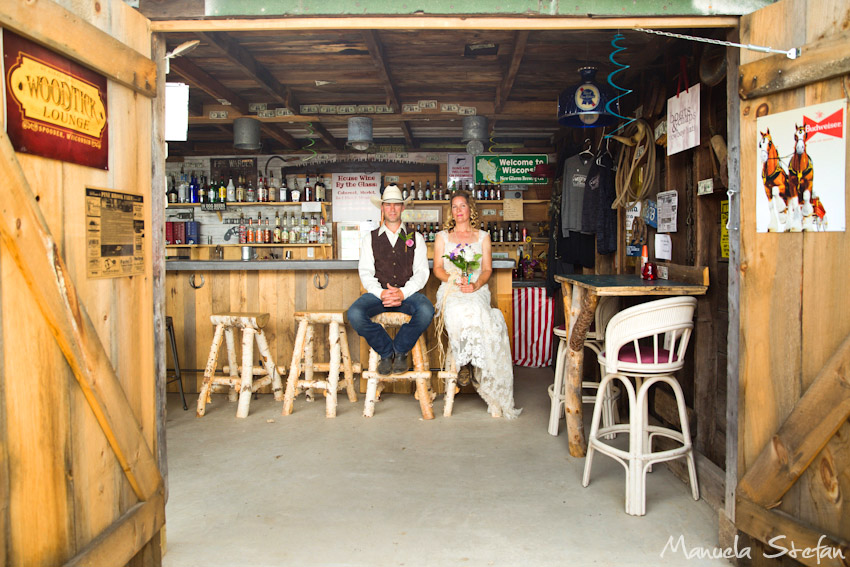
(395, 490)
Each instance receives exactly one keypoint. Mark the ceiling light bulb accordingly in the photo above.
(360, 146)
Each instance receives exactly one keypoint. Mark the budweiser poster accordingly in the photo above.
(801, 163)
(55, 107)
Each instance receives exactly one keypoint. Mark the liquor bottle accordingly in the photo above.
(432, 234)
(404, 193)
(412, 194)
(501, 233)
(307, 194)
(419, 228)
(428, 190)
(193, 188)
(276, 233)
(182, 188)
(202, 191)
(249, 236)
(420, 193)
(171, 191)
(283, 195)
(313, 232)
(439, 191)
(454, 190)
(509, 236)
(231, 190)
(272, 189)
(321, 191)
(250, 193)
(284, 231)
(222, 191)
(261, 190)
(269, 233)
(293, 235)
(323, 231)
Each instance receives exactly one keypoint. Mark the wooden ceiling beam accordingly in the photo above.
(376, 50)
(281, 135)
(504, 89)
(243, 59)
(200, 79)
(326, 136)
(474, 23)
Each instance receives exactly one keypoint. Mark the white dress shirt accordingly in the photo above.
(366, 266)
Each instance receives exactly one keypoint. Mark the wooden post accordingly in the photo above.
(294, 369)
(581, 314)
(333, 371)
(233, 367)
(206, 387)
(347, 366)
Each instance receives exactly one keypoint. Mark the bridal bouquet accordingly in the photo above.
(459, 258)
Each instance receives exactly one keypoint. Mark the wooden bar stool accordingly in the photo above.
(339, 355)
(421, 372)
(449, 374)
(252, 328)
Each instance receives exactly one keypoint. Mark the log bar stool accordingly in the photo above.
(252, 327)
(303, 350)
(421, 372)
(449, 374)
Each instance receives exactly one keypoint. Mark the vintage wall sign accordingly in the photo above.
(509, 168)
(800, 180)
(115, 234)
(56, 108)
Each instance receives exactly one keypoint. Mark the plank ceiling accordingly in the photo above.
(512, 77)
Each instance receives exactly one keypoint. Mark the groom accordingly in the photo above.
(393, 268)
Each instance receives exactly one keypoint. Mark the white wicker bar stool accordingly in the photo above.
(302, 361)
(646, 343)
(594, 340)
(421, 372)
(252, 328)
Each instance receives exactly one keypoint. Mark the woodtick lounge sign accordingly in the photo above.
(56, 108)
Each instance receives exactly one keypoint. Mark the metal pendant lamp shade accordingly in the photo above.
(246, 133)
(359, 133)
(474, 128)
(583, 105)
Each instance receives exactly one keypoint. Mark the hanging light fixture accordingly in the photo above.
(474, 132)
(246, 133)
(359, 133)
(583, 105)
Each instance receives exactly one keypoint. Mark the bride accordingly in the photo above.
(477, 332)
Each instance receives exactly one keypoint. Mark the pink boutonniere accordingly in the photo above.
(408, 238)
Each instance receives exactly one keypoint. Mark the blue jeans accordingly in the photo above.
(360, 314)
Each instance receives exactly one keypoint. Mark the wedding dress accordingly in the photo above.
(478, 334)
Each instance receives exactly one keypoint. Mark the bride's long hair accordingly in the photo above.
(449, 225)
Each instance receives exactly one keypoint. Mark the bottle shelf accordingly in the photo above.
(247, 204)
(253, 244)
(482, 203)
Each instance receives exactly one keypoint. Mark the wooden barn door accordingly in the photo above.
(79, 483)
(793, 454)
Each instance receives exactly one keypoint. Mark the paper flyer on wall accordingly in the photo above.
(801, 164)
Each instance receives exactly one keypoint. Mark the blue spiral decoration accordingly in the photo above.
(609, 106)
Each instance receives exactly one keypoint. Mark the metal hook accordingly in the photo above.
(192, 282)
(316, 281)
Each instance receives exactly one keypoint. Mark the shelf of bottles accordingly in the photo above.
(196, 191)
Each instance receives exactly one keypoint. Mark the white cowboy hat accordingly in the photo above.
(391, 194)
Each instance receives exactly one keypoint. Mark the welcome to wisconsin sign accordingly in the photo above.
(55, 107)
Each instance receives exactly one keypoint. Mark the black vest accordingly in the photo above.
(393, 264)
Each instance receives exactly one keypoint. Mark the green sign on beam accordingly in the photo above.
(509, 168)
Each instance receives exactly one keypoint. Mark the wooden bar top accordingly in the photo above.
(630, 284)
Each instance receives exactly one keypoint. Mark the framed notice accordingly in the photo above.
(55, 108)
(115, 232)
(351, 195)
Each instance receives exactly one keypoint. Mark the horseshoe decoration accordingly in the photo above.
(192, 282)
(320, 285)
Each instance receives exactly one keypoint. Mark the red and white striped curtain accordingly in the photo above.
(533, 316)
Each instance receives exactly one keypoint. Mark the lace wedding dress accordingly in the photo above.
(478, 335)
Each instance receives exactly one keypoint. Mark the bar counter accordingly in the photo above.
(195, 289)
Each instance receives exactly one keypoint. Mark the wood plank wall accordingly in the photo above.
(61, 483)
(794, 303)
